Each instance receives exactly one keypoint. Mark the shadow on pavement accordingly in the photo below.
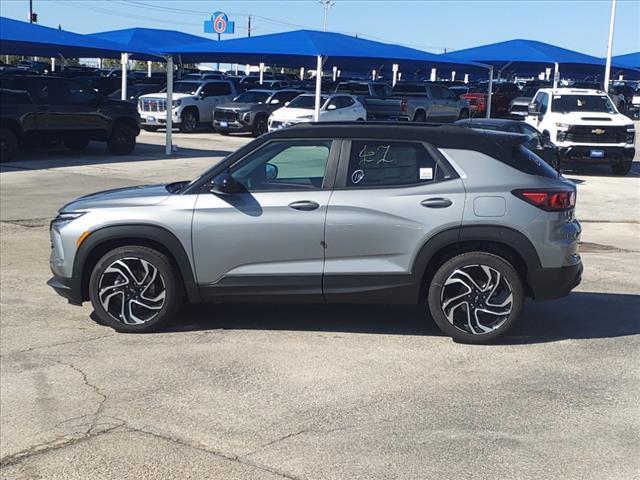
(572, 170)
(582, 315)
(98, 154)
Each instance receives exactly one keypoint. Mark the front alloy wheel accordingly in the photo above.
(135, 289)
(476, 297)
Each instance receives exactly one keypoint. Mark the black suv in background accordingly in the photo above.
(37, 110)
(250, 110)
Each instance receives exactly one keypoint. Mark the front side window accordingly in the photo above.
(284, 166)
(382, 163)
(186, 87)
(307, 102)
(81, 94)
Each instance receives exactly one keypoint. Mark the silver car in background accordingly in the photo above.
(468, 223)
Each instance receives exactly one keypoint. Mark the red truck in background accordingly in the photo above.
(503, 93)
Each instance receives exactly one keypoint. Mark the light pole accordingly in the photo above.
(607, 68)
(326, 4)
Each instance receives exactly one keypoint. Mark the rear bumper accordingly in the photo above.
(583, 154)
(66, 288)
(552, 283)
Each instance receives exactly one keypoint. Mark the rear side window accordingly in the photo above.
(526, 161)
(213, 89)
(387, 164)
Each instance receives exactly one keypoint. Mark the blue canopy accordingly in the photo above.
(631, 60)
(147, 39)
(22, 38)
(300, 48)
(505, 54)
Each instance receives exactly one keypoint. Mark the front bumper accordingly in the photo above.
(552, 283)
(157, 119)
(67, 288)
(584, 154)
(231, 126)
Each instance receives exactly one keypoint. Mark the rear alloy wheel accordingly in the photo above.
(622, 168)
(420, 117)
(150, 129)
(189, 121)
(464, 114)
(76, 143)
(476, 297)
(260, 126)
(135, 289)
(8, 145)
(122, 140)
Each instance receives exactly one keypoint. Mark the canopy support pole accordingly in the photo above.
(53, 64)
(373, 75)
(247, 69)
(261, 72)
(168, 141)
(124, 59)
(301, 73)
(335, 73)
(316, 113)
(148, 68)
(434, 73)
(394, 68)
(607, 68)
(556, 75)
(61, 62)
(490, 96)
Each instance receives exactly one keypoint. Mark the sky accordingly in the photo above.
(430, 25)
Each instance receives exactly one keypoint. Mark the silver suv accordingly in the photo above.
(469, 223)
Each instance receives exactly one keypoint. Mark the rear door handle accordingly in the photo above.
(436, 203)
(304, 205)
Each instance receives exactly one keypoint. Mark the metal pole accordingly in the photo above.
(148, 68)
(53, 64)
(490, 96)
(373, 75)
(168, 145)
(556, 75)
(326, 4)
(249, 26)
(261, 72)
(124, 58)
(433, 74)
(30, 11)
(316, 113)
(335, 73)
(301, 73)
(394, 68)
(607, 68)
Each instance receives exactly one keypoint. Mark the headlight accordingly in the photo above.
(176, 103)
(631, 134)
(65, 218)
(247, 117)
(563, 126)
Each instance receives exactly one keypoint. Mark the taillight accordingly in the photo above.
(548, 200)
(404, 106)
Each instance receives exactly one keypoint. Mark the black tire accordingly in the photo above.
(420, 117)
(150, 129)
(8, 145)
(260, 126)
(122, 140)
(622, 168)
(105, 276)
(189, 121)
(459, 327)
(464, 114)
(224, 133)
(76, 143)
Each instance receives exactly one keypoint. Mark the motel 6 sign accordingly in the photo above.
(219, 24)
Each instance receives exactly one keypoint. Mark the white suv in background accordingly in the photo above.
(334, 108)
(585, 125)
(193, 103)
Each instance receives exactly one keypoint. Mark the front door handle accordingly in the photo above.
(436, 203)
(305, 205)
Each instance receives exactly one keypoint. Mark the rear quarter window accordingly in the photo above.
(527, 161)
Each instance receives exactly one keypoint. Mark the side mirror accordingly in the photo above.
(286, 104)
(332, 107)
(224, 184)
(531, 110)
(201, 94)
(271, 171)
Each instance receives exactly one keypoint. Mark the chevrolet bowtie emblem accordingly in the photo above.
(597, 131)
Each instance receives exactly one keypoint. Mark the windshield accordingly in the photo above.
(353, 88)
(186, 87)
(582, 103)
(253, 97)
(531, 91)
(307, 102)
(479, 89)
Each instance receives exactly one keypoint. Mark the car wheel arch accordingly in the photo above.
(105, 239)
(505, 242)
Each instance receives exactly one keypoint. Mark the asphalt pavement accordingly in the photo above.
(310, 391)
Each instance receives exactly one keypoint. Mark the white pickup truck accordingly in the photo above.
(585, 126)
(193, 103)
